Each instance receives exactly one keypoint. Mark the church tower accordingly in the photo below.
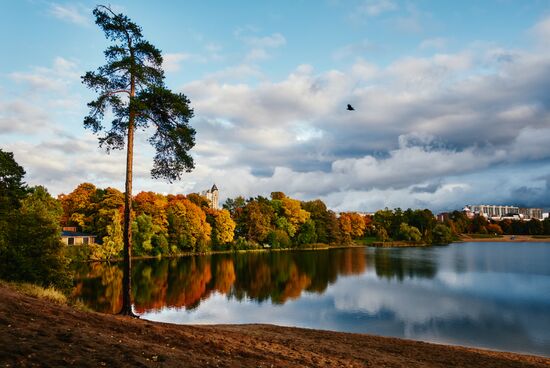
(214, 197)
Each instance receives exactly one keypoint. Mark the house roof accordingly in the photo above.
(74, 234)
(214, 187)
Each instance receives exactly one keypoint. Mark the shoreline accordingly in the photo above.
(38, 332)
(507, 239)
(191, 254)
(464, 238)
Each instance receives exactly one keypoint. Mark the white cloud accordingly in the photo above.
(358, 49)
(272, 41)
(256, 54)
(172, 61)
(76, 14)
(259, 46)
(373, 8)
(20, 116)
(433, 43)
(541, 31)
(56, 78)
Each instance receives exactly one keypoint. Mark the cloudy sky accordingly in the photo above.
(452, 99)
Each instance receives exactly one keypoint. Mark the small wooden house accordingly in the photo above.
(70, 236)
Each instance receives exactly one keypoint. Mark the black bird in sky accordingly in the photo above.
(350, 108)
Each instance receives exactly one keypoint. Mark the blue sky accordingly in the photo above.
(451, 98)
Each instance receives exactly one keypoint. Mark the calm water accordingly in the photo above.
(490, 295)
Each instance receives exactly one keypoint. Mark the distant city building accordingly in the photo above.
(531, 213)
(212, 195)
(503, 212)
(442, 217)
(492, 210)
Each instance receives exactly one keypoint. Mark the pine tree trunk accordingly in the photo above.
(127, 234)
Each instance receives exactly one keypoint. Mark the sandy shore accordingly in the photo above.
(34, 332)
(506, 239)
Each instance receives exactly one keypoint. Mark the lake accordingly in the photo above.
(487, 295)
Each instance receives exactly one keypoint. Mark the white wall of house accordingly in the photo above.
(78, 240)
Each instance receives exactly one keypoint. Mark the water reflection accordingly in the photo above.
(490, 295)
(182, 283)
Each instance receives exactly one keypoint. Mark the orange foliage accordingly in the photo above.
(154, 205)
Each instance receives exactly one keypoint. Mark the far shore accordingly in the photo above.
(464, 238)
(506, 238)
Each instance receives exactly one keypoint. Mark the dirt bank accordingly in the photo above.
(38, 333)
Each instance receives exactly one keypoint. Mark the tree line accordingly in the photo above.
(175, 224)
(460, 223)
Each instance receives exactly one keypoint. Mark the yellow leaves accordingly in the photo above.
(223, 226)
(352, 224)
(293, 211)
(154, 205)
(189, 225)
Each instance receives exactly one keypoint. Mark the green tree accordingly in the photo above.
(479, 224)
(384, 218)
(233, 204)
(409, 233)
(546, 226)
(423, 220)
(131, 85)
(112, 242)
(442, 234)
(535, 227)
(307, 234)
(12, 190)
(12, 187)
(143, 230)
(34, 251)
(461, 221)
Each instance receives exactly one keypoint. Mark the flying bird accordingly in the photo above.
(350, 108)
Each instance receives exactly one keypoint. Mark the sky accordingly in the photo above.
(452, 99)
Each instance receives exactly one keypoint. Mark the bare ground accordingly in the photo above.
(37, 333)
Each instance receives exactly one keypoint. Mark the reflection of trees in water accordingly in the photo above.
(390, 263)
(99, 285)
(184, 282)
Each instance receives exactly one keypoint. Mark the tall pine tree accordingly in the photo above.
(131, 86)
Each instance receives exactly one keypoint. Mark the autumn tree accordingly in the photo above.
(494, 229)
(154, 205)
(223, 226)
(78, 206)
(345, 227)
(187, 226)
(256, 220)
(131, 85)
(199, 200)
